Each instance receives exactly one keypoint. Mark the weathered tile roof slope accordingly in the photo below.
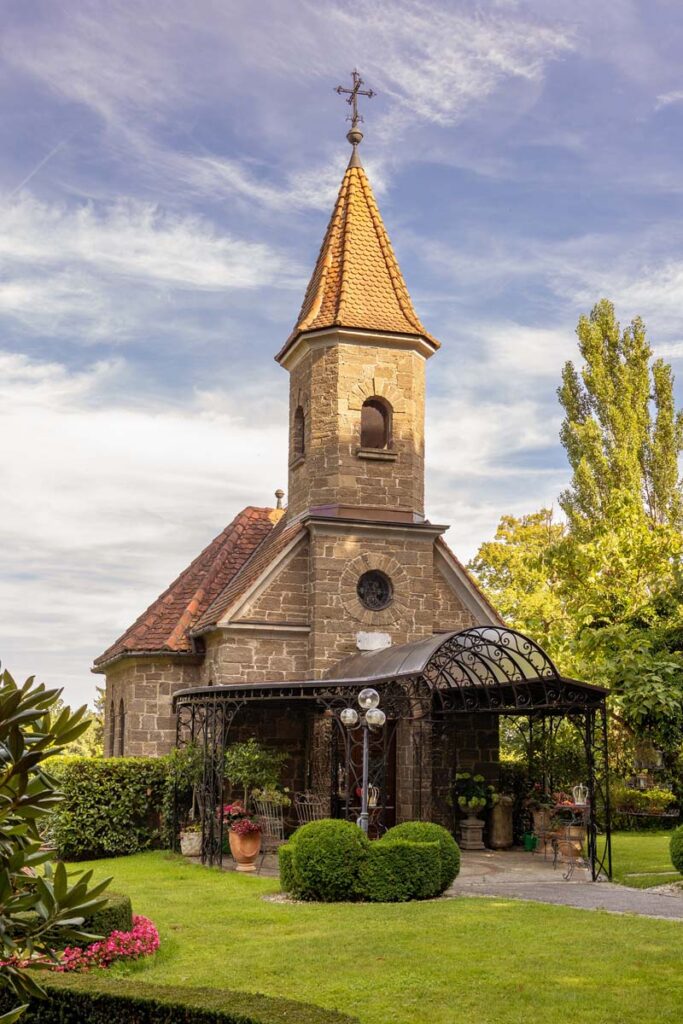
(166, 624)
(275, 543)
(357, 281)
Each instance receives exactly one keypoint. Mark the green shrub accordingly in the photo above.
(286, 858)
(115, 916)
(111, 805)
(75, 998)
(427, 832)
(326, 860)
(396, 870)
(676, 848)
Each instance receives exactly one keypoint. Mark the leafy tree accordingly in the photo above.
(39, 905)
(517, 571)
(253, 766)
(603, 592)
(621, 431)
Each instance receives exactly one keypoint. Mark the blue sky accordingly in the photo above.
(166, 174)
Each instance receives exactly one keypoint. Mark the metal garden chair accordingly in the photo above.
(272, 821)
(309, 807)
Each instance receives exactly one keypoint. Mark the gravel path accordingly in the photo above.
(523, 877)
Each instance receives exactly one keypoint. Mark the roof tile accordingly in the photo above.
(166, 624)
(357, 281)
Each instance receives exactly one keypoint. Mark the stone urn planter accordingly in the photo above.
(191, 844)
(541, 817)
(501, 837)
(472, 833)
(245, 847)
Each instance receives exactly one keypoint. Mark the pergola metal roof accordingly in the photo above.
(485, 668)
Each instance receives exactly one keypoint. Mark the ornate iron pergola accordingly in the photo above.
(482, 670)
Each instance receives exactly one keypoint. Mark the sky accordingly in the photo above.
(167, 170)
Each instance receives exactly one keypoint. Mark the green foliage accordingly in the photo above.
(676, 848)
(115, 915)
(111, 806)
(620, 431)
(91, 742)
(517, 572)
(603, 593)
(252, 765)
(397, 870)
(76, 998)
(327, 859)
(288, 879)
(644, 801)
(181, 803)
(39, 905)
(428, 832)
(333, 860)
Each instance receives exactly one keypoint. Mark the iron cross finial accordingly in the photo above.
(355, 135)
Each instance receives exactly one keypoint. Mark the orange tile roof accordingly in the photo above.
(166, 624)
(357, 281)
(274, 544)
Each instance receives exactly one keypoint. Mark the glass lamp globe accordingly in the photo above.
(349, 717)
(375, 717)
(368, 698)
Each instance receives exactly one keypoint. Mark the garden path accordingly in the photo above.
(525, 876)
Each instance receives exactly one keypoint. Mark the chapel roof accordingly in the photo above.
(165, 626)
(357, 282)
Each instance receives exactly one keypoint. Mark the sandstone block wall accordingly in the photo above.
(146, 687)
(331, 384)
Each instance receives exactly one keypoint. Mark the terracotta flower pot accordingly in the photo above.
(245, 849)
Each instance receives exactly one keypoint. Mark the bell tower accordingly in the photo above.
(356, 359)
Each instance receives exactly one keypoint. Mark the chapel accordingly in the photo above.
(351, 566)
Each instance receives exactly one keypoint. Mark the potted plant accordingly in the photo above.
(473, 796)
(245, 842)
(191, 839)
(251, 765)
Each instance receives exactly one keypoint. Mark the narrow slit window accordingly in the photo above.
(112, 729)
(299, 433)
(375, 424)
(122, 727)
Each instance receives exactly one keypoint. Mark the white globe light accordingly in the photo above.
(349, 717)
(375, 717)
(368, 698)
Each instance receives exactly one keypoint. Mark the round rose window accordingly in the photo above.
(374, 590)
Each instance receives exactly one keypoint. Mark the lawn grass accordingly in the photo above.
(641, 859)
(470, 961)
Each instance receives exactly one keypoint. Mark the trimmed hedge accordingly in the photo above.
(76, 998)
(111, 805)
(428, 832)
(397, 870)
(115, 916)
(676, 848)
(332, 860)
(326, 860)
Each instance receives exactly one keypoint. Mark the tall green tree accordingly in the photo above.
(603, 591)
(621, 432)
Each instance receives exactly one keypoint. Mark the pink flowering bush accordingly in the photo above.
(142, 940)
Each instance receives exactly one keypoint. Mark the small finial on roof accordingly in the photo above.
(279, 495)
(355, 135)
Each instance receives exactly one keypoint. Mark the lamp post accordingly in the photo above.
(374, 718)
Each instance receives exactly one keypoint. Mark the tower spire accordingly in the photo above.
(355, 135)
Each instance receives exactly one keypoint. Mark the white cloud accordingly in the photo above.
(99, 271)
(104, 504)
(667, 98)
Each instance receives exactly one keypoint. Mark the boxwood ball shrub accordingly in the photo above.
(397, 870)
(326, 859)
(428, 832)
(676, 848)
(77, 998)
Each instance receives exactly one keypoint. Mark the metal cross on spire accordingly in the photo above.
(355, 135)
